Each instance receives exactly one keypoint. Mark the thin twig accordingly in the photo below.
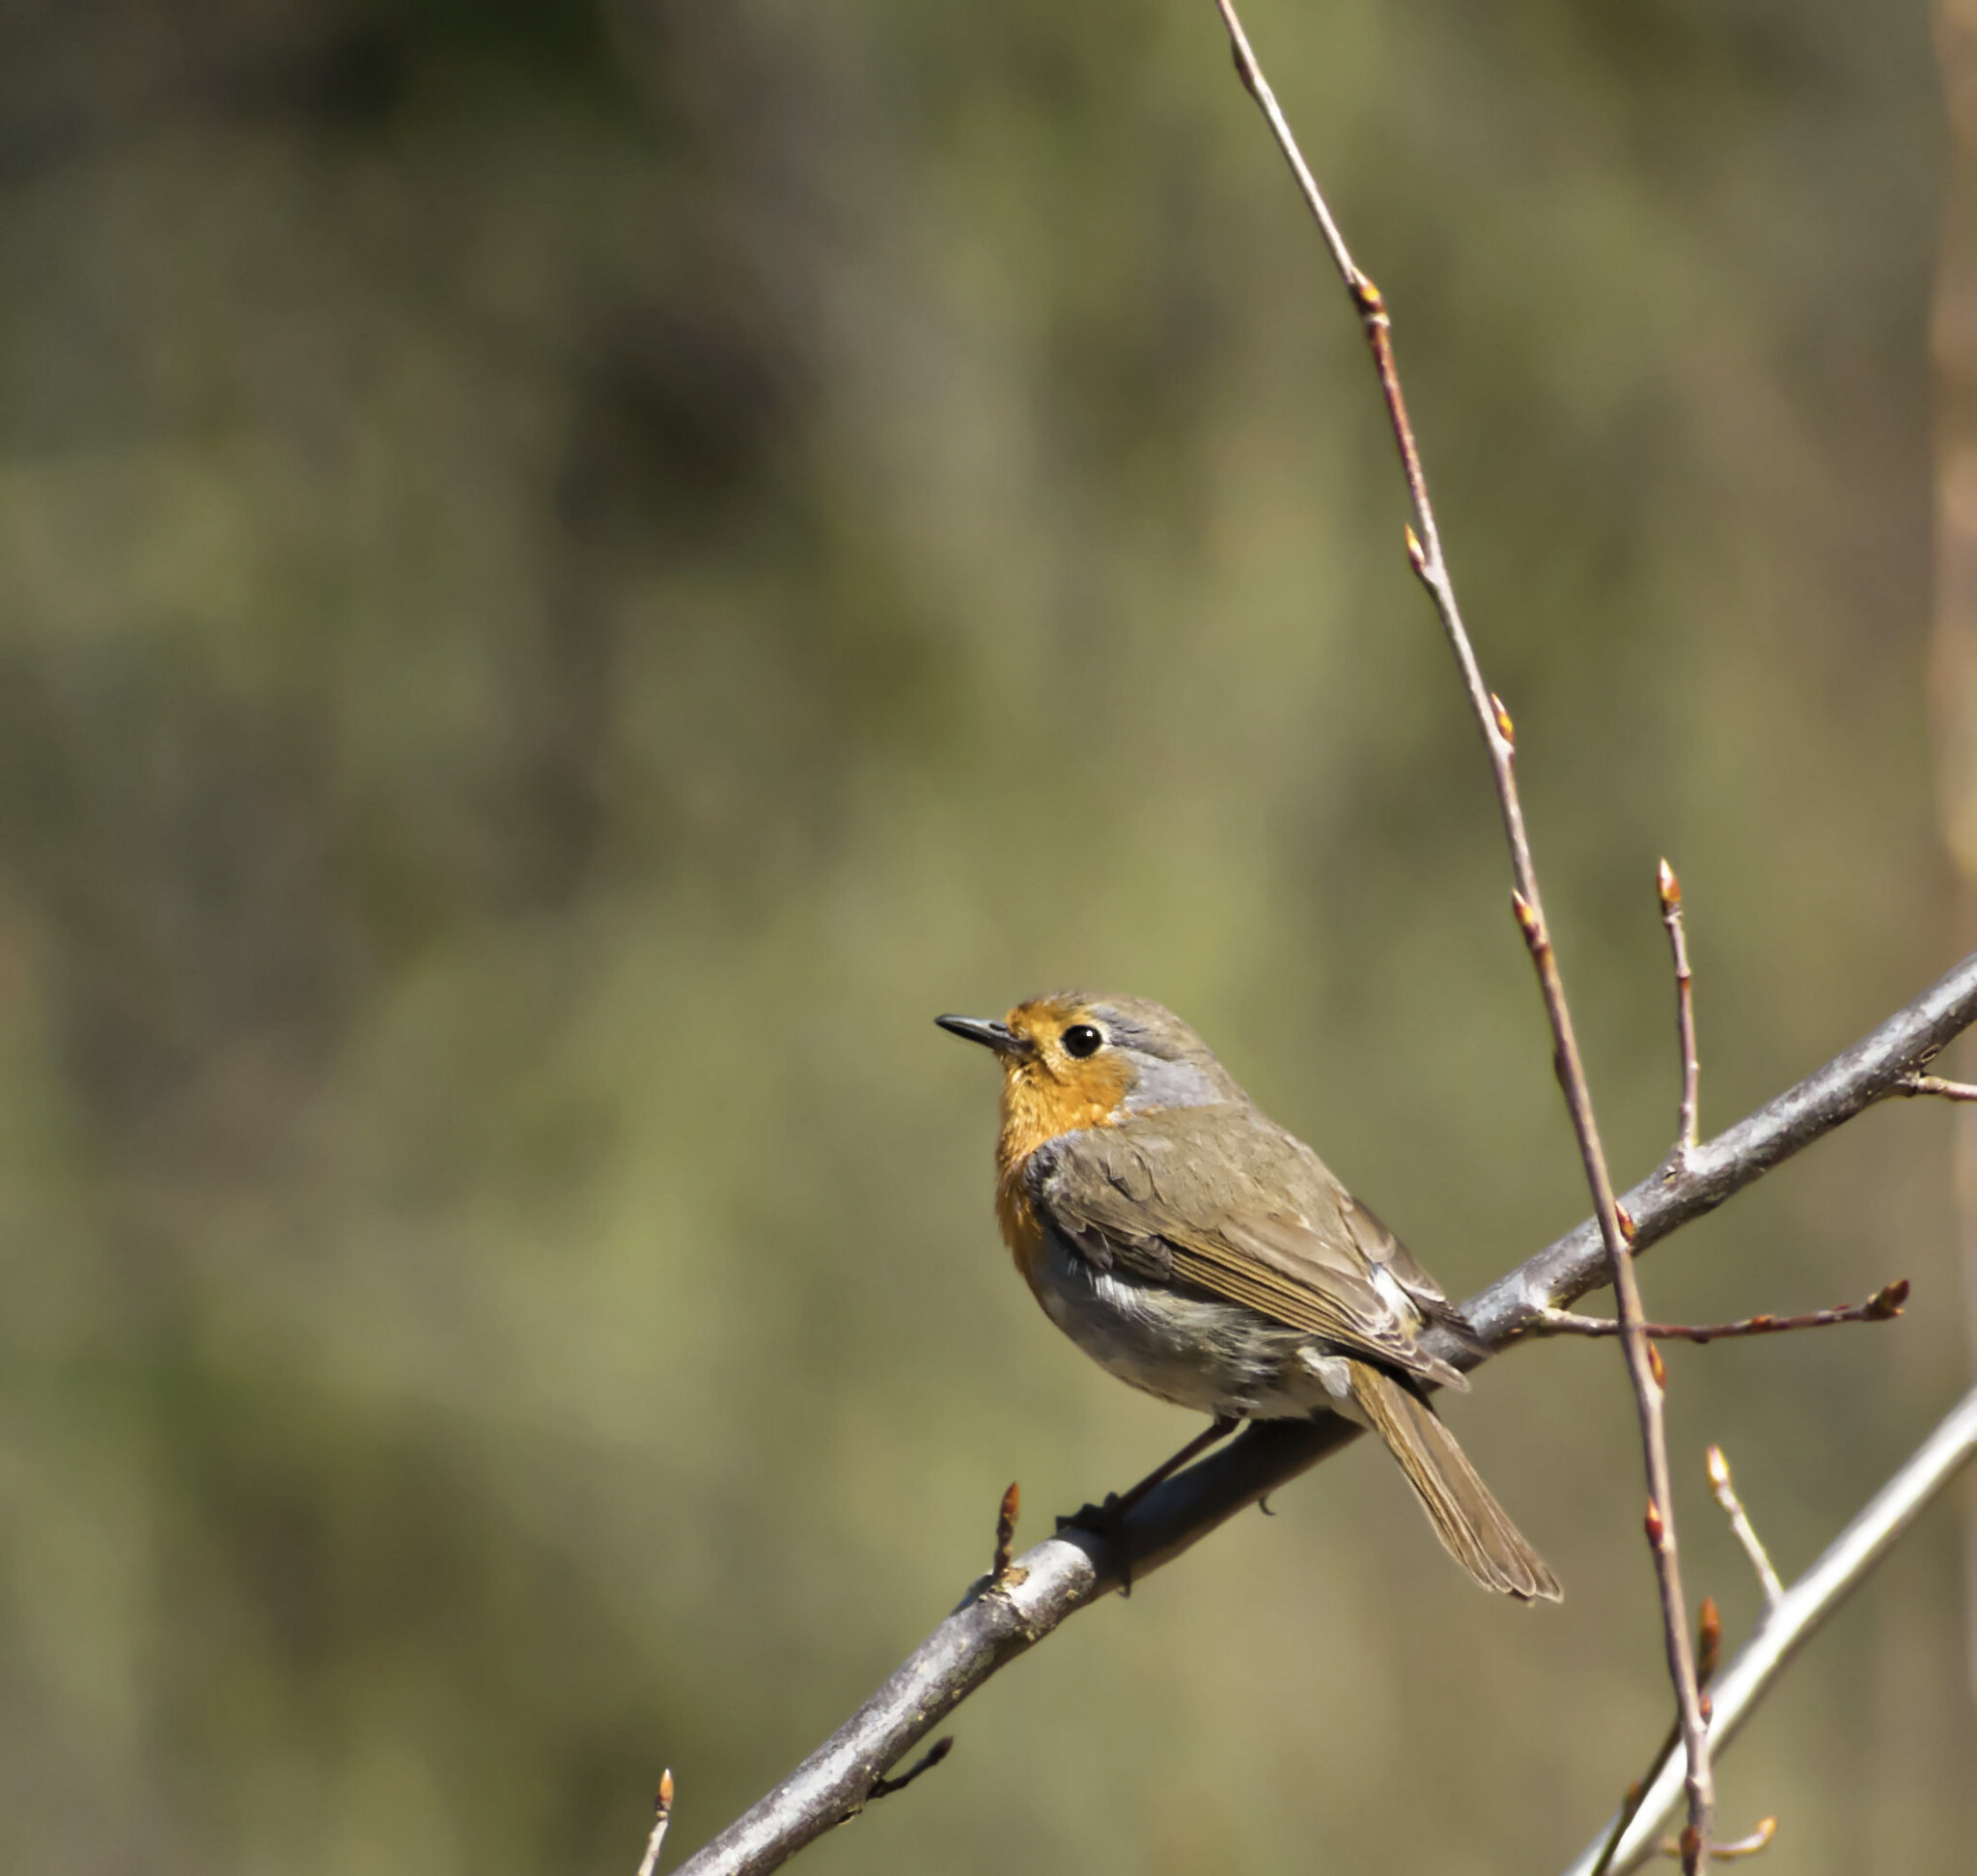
(1630, 1802)
(1803, 1609)
(1729, 1851)
(1746, 1532)
(1935, 1084)
(662, 1815)
(1072, 1572)
(1431, 567)
(1000, 1568)
(1883, 1306)
(1670, 888)
(1709, 1648)
(926, 1762)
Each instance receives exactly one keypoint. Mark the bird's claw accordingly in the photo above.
(1100, 1520)
(1106, 1521)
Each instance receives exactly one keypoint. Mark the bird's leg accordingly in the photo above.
(1104, 1520)
(1216, 1431)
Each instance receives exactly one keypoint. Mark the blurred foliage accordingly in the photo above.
(570, 575)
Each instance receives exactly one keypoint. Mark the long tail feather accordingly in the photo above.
(1475, 1528)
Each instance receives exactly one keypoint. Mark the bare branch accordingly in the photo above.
(1431, 567)
(1883, 1306)
(1069, 1571)
(1630, 1803)
(1709, 1648)
(1729, 1851)
(1670, 888)
(662, 1815)
(1758, 1839)
(1935, 1084)
(1746, 1532)
(1802, 1609)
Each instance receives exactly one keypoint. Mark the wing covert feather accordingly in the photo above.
(1224, 1201)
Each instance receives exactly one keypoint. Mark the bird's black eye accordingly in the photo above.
(1081, 1039)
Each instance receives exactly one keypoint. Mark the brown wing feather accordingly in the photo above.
(1222, 1200)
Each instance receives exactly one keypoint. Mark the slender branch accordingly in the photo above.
(1072, 1571)
(1630, 1804)
(1883, 1306)
(1708, 1650)
(1749, 1846)
(662, 1815)
(1935, 1084)
(1803, 1609)
(1424, 551)
(1747, 1533)
(1670, 888)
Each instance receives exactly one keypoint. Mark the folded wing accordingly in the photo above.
(1224, 1202)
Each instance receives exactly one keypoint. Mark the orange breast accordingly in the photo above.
(1022, 1231)
(1037, 1108)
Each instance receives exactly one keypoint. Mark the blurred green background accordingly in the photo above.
(570, 574)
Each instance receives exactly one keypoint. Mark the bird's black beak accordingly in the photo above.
(998, 1036)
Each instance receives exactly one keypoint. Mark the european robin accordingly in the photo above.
(1192, 1247)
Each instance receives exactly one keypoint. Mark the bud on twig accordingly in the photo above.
(1000, 1569)
(662, 1815)
(1505, 727)
(1745, 1530)
(1886, 1302)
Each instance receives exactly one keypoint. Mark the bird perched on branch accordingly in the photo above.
(1190, 1246)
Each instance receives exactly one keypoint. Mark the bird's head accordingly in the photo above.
(1075, 1059)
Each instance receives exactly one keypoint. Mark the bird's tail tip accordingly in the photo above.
(1473, 1527)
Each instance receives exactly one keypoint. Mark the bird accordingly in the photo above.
(1195, 1248)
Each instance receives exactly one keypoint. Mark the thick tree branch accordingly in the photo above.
(1067, 1573)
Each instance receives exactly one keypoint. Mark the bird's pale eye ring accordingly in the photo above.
(1082, 1040)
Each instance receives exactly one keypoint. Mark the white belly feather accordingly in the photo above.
(1214, 1357)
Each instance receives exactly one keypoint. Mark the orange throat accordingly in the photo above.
(1037, 1108)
